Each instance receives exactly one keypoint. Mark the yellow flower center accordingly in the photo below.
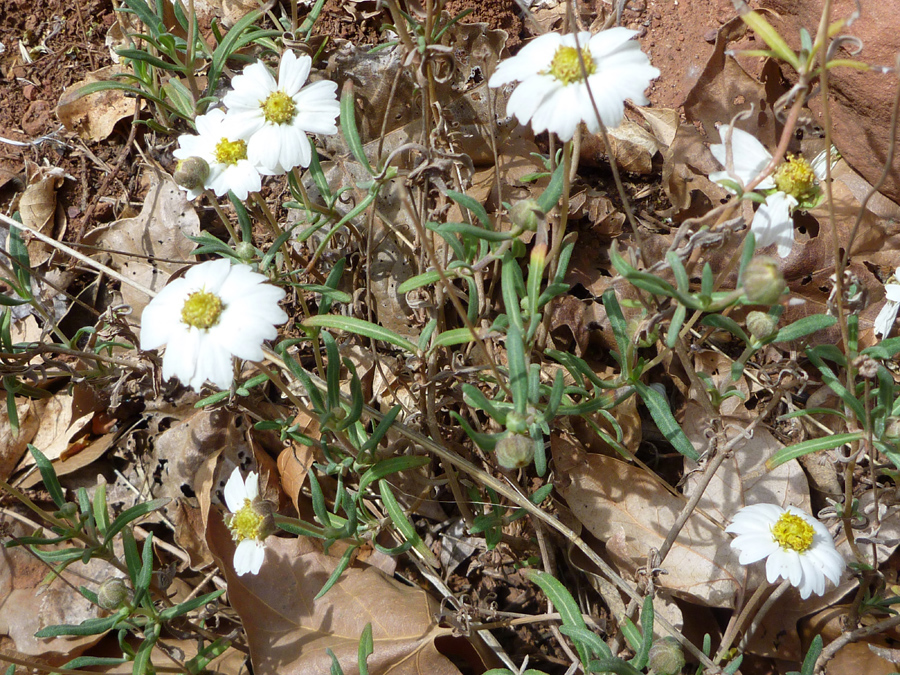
(246, 523)
(279, 108)
(230, 152)
(793, 533)
(796, 177)
(566, 68)
(202, 310)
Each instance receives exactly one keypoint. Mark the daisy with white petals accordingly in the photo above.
(274, 117)
(250, 521)
(216, 311)
(793, 185)
(884, 322)
(796, 546)
(225, 155)
(553, 93)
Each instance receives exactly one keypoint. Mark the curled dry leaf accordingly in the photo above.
(288, 632)
(295, 460)
(94, 116)
(40, 211)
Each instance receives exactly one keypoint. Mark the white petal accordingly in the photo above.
(293, 71)
(608, 41)
(884, 322)
(533, 58)
(250, 89)
(248, 557)
(235, 492)
(263, 148)
(773, 224)
(749, 156)
(180, 359)
(252, 486)
(214, 364)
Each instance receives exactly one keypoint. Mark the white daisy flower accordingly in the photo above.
(250, 521)
(794, 184)
(216, 311)
(884, 322)
(274, 117)
(552, 93)
(797, 547)
(224, 153)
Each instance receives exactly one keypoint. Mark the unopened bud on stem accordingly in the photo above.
(763, 281)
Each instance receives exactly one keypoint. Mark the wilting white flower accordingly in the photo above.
(884, 322)
(250, 521)
(793, 184)
(216, 311)
(797, 547)
(274, 117)
(553, 94)
(224, 153)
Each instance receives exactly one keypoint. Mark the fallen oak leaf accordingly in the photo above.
(289, 630)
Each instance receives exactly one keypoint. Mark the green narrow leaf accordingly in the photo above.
(815, 650)
(360, 327)
(647, 619)
(336, 573)
(562, 600)
(675, 325)
(348, 126)
(661, 413)
(401, 522)
(812, 445)
(619, 326)
(178, 610)
(48, 475)
(132, 513)
(725, 323)
(366, 649)
(550, 196)
(386, 467)
(473, 206)
(805, 326)
(682, 282)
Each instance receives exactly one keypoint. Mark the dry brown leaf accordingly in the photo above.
(39, 210)
(28, 604)
(743, 478)
(725, 89)
(623, 507)
(663, 123)
(288, 632)
(13, 447)
(160, 232)
(633, 148)
(94, 116)
(294, 463)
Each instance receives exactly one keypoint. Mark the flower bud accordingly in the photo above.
(761, 325)
(892, 429)
(191, 173)
(666, 657)
(245, 251)
(526, 215)
(514, 451)
(516, 423)
(266, 509)
(113, 593)
(69, 511)
(763, 281)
